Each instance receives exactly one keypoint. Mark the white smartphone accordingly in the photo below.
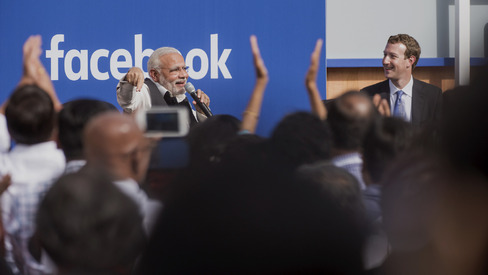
(165, 121)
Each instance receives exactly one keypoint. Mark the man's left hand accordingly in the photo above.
(203, 98)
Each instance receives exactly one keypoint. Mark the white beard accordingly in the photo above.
(171, 87)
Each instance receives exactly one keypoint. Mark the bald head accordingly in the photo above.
(114, 142)
(350, 116)
(356, 105)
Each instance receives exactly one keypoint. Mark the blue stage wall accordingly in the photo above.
(92, 43)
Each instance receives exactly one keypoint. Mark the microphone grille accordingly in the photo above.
(189, 87)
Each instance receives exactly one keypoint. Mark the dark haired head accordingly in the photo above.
(388, 137)
(30, 115)
(247, 149)
(208, 139)
(410, 190)
(300, 138)
(72, 120)
(86, 224)
(464, 127)
(337, 185)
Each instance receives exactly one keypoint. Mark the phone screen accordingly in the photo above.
(162, 122)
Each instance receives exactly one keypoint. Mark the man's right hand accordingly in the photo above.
(318, 107)
(135, 76)
(261, 70)
(34, 71)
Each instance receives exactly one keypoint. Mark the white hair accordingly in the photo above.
(154, 62)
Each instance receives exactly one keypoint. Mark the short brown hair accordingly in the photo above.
(413, 47)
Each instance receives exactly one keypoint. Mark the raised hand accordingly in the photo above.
(261, 71)
(34, 71)
(381, 105)
(316, 104)
(250, 116)
(33, 67)
(135, 77)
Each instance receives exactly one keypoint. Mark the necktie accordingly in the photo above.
(399, 109)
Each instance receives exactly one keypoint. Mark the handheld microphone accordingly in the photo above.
(190, 89)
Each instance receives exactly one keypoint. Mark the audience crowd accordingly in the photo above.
(340, 189)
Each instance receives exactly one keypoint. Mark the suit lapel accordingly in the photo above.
(385, 91)
(156, 98)
(417, 102)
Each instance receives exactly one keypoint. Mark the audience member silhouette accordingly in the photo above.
(350, 117)
(434, 216)
(34, 162)
(207, 140)
(71, 122)
(236, 223)
(385, 141)
(338, 185)
(300, 138)
(88, 226)
(114, 143)
(464, 129)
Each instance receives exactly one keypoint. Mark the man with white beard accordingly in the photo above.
(166, 85)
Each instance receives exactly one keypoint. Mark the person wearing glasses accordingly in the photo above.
(165, 86)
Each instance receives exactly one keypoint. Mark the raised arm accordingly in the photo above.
(316, 103)
(250, 116)
(34, 71)
(132, 93)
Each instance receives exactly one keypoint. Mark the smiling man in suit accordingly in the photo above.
(402, 95)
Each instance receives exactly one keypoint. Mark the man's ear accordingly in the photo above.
(154, 75)
(411, 60)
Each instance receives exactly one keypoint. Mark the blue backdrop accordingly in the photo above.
(94, 42)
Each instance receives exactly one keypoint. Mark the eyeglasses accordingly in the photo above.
(176, 70)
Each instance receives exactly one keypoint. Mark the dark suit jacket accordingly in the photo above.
(426, 100)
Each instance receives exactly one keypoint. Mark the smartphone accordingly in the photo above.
(164, 121)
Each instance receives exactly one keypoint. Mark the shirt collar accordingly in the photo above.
(41, 147)
(349, 158)
(406, 90)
